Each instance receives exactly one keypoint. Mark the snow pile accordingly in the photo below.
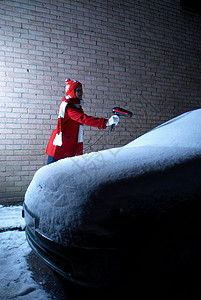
(15, 278)
(76, 196)
(11, 218)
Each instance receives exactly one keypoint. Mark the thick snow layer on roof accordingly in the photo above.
(150, 174)
(182, 131)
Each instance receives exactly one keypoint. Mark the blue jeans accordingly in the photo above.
(51, 160)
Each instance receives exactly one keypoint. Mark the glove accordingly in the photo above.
(113, 120)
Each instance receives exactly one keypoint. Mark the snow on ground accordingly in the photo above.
(16, 280)
(11, 218)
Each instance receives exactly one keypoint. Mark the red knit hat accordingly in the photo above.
(71, 85)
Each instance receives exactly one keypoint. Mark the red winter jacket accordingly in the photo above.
(73, 118)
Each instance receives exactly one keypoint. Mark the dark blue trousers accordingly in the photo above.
(51, 160)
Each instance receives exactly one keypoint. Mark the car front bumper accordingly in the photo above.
(91, 267)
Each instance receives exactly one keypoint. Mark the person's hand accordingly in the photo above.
(113, 120)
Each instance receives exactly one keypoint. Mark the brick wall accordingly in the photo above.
(142, 55)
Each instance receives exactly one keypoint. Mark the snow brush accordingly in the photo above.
(121, 112)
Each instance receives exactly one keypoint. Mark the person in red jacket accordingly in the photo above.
(67, 139)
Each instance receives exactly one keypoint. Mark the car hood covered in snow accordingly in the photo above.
(91, 199)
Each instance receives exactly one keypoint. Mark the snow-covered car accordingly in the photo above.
(132, 211)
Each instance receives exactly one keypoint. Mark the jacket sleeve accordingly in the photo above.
(79, 116)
